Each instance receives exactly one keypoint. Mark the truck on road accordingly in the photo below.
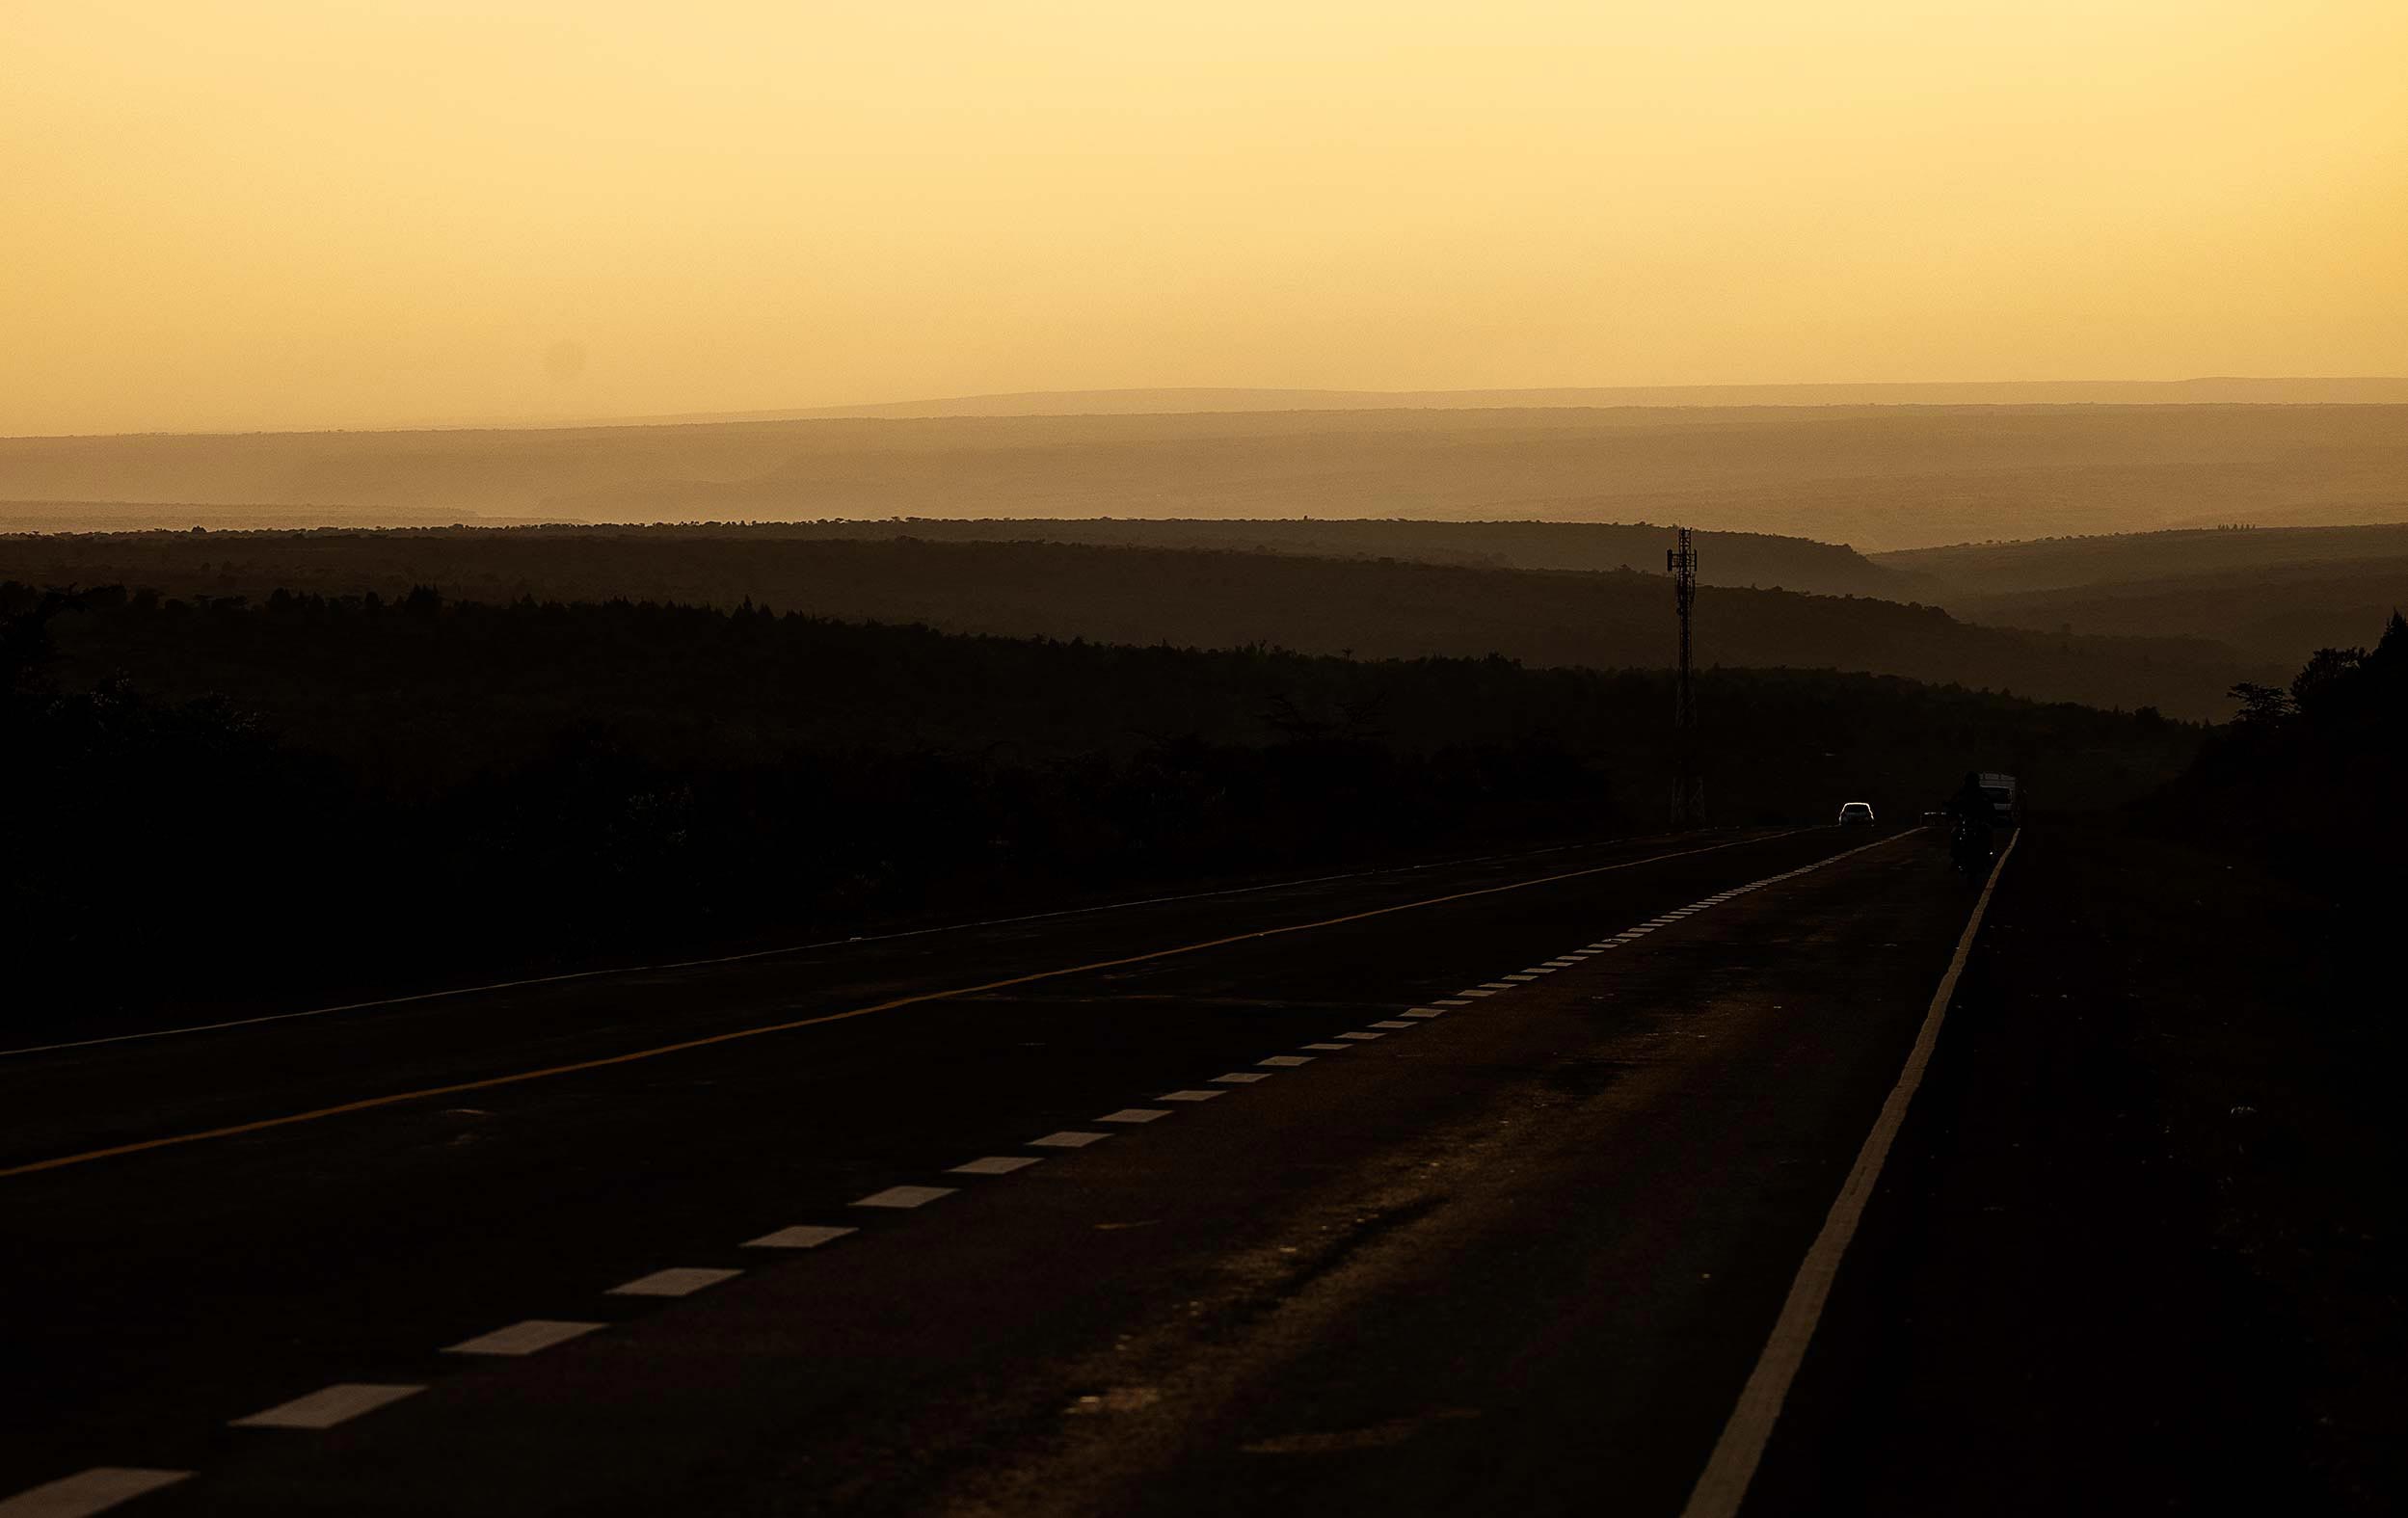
(2005, 798)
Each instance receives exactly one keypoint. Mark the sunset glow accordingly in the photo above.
(291, 214)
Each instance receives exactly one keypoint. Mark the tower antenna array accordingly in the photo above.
(1688, 784)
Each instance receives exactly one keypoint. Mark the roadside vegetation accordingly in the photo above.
(2197, 1042)
(2307, 778)
(225, 799)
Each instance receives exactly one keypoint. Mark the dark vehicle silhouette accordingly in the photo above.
(1972, 847)
(1857, 814)
(2004, 796)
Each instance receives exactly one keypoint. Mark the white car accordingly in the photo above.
(1857, 814)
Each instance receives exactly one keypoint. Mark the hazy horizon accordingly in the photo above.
(1876, 477)
(276, 216)
(2299, 390)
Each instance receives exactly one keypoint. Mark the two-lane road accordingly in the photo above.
(1473, 1187)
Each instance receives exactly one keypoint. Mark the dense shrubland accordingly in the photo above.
(2309, 776)
(228, 799)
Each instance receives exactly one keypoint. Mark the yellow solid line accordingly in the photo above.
(1724, 1484)
(489, 1082)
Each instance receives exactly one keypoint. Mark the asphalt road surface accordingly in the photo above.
(1474, 1187)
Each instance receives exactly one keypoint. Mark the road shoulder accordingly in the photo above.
(2123, 1260)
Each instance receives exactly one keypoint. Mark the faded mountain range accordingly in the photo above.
(1876, 477)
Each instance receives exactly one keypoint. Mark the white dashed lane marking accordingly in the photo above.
(806, 1236)
(675, 1281)
(92, 1491)
(912, 1197)
(104, 1487)
(994, 1166)
(902, 1197)
(339, 1403)
(536, 1333)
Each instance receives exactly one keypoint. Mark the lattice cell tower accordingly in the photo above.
(1688, 784)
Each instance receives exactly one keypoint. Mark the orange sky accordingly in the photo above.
(285, 213)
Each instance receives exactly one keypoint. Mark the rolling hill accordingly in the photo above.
(1876, 477)
(2057, 563)
(2274, 594)
(2208, 391)
(1729, 558)
(1364, 608)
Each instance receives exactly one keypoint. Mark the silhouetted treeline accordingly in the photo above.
(1212, 600)
(2273, 613)
(1725, 558)
(2115, 558)
(216, 798)
(2309, 777)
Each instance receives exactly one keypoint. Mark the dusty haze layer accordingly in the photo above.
(1876, 477)
(2223, 392)
(280, 213)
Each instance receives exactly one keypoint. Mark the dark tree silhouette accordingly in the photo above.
(241, 798)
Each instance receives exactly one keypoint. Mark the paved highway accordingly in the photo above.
(1484, 1187)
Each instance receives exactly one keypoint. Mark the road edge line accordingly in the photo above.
(1722, 1485)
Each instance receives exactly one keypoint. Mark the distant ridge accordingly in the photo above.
(1876, 477)
(2210, 391)
(1207, 400)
